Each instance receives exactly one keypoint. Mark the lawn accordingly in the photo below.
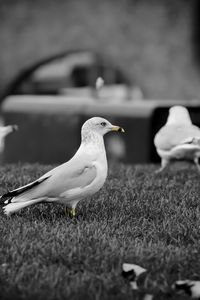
(138, 217)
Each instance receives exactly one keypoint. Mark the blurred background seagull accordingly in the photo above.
(178, 139)
(190, 287)
(131, 272)
(99, 83)
(82, 176)
(4, 131)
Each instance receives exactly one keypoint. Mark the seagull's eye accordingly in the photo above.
(103, 124)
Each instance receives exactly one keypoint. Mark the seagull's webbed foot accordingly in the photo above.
(70, 212)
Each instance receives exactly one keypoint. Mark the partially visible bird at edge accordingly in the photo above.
(4, 131)
(178, 139)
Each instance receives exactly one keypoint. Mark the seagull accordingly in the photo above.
(99, 83)
(191, 287)
(82, 176)
(131, 272)
(178, 138)
(4, 131)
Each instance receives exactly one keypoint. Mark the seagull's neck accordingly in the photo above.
(92, 139)
(179, 119)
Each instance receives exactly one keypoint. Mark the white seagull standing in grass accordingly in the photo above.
(82, 176)
(178, 139)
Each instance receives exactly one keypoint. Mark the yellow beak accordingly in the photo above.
(117, 128)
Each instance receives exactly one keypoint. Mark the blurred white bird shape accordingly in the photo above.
(99, 83)
(82, 176)
(178, 139)
(4, 131)
(190, 287)
(131, 272)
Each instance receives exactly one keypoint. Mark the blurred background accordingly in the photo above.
(147, 51)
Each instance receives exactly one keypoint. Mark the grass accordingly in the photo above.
(138, 217)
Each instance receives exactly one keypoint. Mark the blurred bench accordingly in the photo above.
(49, 126)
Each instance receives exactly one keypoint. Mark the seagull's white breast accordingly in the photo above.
(98, 160)
(101, 165)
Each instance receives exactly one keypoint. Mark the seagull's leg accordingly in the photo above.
(70, 212)
(65, 211)
(164, 163)
(196, 161)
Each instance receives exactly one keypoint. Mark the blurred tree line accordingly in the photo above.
(155, 42)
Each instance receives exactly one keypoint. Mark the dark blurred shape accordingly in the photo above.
(43, 138)
(196, 30)
(54, 137)
(70, 69)
(49, 127)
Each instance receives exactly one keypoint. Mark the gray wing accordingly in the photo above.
(64, 178)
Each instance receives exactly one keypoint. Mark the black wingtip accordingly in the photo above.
(6, 198)
(11, 194)
(3, 200)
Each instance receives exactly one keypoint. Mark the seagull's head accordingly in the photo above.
(99, 126)
(178, 114)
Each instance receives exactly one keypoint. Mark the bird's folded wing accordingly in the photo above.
(23, 189)
(171, 136)
(75, 178)
(57, 181)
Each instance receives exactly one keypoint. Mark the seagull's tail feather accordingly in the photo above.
(16, 206)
